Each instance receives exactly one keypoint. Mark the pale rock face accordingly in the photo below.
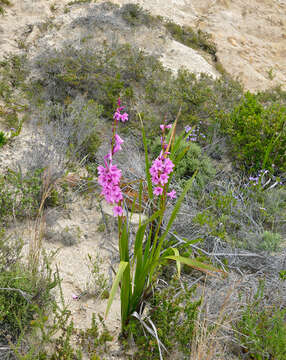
(177, 55)
(258, 27)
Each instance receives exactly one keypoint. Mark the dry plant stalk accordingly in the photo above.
(35, 245)
(206, 343)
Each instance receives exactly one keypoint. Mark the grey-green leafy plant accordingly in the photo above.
(261, 330)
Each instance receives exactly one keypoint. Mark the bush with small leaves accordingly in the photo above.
(261, 330)
(258, 135)
(135, 15)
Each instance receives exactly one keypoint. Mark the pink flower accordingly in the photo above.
(118, 142)
(163, 179)
(163, 126)
(158, 191)
(172, 194)
(117, 211)
(124, 117)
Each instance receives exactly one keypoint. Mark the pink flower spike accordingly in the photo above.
(172, 194)
(158, 191)
(162, 127)
(168, 126)
(117, 211)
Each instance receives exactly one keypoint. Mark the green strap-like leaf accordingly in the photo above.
(178, 263)
(118, 277)
(194, 264)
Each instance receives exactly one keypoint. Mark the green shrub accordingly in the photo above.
(135, 15)
(13, 73)
(258, 135)
(21, 291)
(261, 330)
(73, 127)
(192, 38)
(21, 196)
(174, 315)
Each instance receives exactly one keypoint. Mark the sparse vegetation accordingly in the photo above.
(4, 3)
(233, 208)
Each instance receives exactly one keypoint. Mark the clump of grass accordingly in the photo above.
(270, 241)
(77, 2)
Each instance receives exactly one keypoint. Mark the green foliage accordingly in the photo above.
(13, 73)
(270, 241)
(4, 2)
(76, 2)
(135, 15)
(76, 122)
(258, 135)
(261, 330)
(174, 315)
(192, 38)
(21, 291)
(20, 195)
(3, 139)
(93, 340)
(139, 79)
